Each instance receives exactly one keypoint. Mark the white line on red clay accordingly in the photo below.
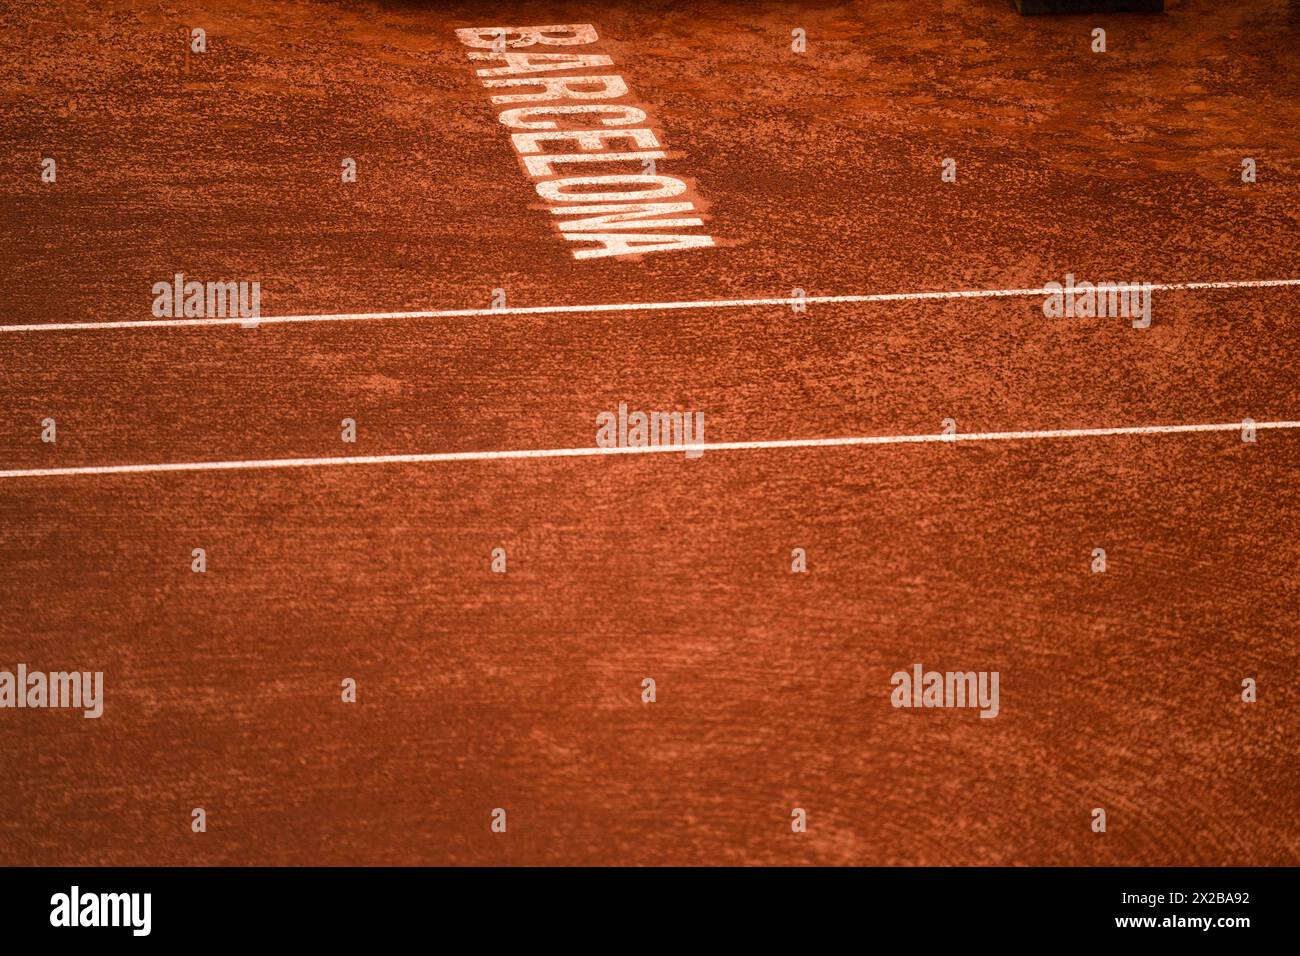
(633, 450)
(626, 306)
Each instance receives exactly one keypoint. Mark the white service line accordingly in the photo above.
(638, 450)
(623, 307)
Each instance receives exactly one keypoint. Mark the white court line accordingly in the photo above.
(639, 450)
(625, 306)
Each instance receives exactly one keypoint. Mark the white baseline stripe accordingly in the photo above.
(645, 450)
(625, 307)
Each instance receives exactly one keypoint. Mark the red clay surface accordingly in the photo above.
(478, 690)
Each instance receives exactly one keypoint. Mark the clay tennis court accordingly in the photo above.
(818, 171)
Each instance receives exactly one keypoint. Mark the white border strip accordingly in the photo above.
(625, 307)
(640, 450)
